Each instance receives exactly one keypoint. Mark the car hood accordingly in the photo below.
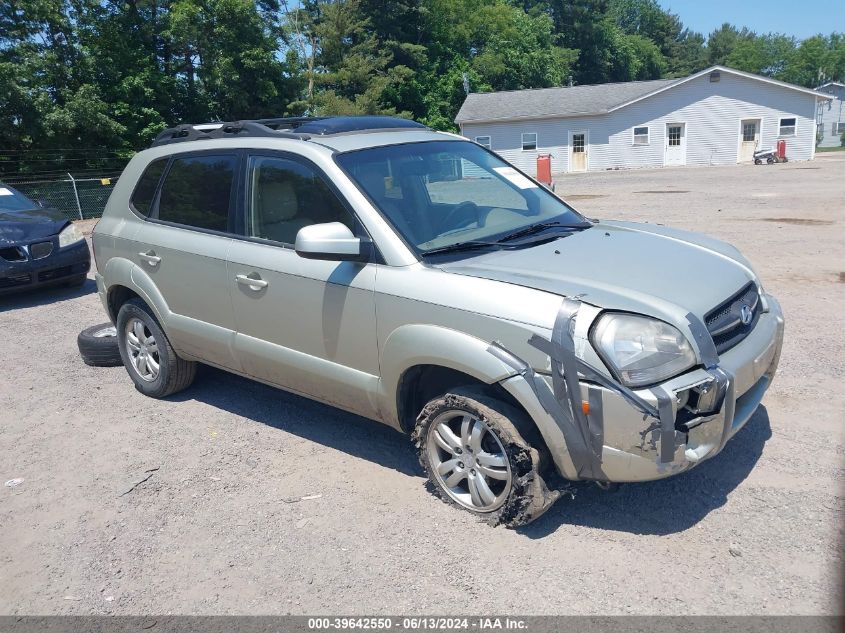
(643, 268)
(33, 224)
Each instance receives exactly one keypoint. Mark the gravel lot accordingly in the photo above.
(759, 529)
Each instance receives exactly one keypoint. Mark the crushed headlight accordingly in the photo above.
(641, 350)
(70, 235)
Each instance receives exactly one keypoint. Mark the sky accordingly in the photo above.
(779, 16)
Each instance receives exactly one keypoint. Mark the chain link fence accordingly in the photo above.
(76, 198)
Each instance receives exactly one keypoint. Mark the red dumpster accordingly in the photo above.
(781, 151)
(544, 169)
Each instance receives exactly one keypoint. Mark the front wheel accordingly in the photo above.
(148, 356)
(476, 458)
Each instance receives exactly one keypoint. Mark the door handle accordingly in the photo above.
(150, 257)
(252, 282)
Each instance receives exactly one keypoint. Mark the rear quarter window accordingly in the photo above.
(197, 191)
(145, 191)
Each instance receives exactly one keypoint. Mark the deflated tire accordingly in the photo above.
(473, 449)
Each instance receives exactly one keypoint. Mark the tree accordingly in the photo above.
(350, 72)
(766, 55)
(722, 42)
(89, 74)
(816, 60)
(689, 54)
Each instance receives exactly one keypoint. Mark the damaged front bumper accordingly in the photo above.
(706, 407)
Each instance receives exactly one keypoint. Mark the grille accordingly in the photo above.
(40, 250)
(725, 321)
(15, 280)
(13, 254)
(55, 273)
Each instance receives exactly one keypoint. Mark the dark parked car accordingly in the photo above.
(38, 246)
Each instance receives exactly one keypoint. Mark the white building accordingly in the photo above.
(715, 117)
(831, 115)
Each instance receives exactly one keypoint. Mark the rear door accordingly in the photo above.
(306, 325)
(182, 248)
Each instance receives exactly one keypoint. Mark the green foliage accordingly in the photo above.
(93, 74)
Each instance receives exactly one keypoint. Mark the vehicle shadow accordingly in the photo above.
(666, 506)
(44, 296)
(657, 508)
(305, 418)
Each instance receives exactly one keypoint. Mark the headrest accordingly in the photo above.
(278, 201)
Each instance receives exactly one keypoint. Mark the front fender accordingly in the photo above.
(417, 344)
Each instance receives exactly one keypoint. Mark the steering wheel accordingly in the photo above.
(467, 206)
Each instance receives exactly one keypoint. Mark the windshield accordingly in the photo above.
(442, 193)
(12, 200)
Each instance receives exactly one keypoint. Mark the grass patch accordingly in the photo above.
(830, 149)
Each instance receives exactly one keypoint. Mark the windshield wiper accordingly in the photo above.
(460, 246)
(542, 226)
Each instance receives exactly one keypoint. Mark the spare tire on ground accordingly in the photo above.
(98, 346)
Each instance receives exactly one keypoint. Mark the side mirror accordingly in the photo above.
(332, 241)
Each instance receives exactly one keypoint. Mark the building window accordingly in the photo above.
(529, 141)
(675, 135)
(839, 128)
(640, 136)
(578, 143)
(484, 141)
(787, 127)
(749, 132)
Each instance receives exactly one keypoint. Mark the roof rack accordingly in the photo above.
(300, 128)
(209, 131)
(345, 124)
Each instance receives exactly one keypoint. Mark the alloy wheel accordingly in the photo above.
(469, 461)
(143, 349)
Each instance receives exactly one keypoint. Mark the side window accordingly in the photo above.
(145, 190)
(197, 191)
(285, 195)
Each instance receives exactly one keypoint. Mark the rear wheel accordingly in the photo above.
(476, 458)
(147, 354)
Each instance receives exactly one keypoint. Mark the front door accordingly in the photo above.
(749, 139)
(675, 147)
(302, 324)
(578, 151)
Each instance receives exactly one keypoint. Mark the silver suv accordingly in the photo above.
(415, 278)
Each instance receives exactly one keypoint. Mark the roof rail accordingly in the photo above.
(208, 131)
(300, 128)
(347, 124)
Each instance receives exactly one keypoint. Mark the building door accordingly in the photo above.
(749, 139)
(675, 148)
(578, 151)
